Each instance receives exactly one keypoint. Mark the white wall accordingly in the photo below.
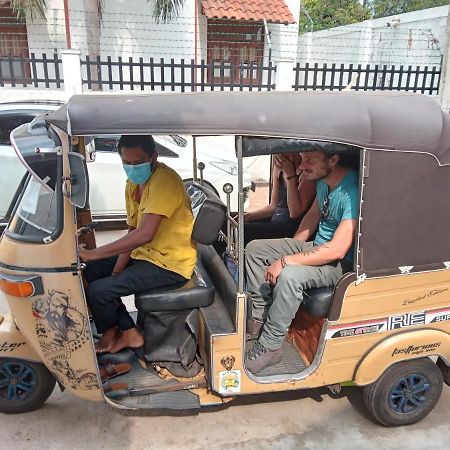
(418, 39)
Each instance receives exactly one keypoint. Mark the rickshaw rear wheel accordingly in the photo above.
(405, 393)
(24, 385)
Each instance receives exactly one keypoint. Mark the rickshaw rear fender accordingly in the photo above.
(400, 347)
(12, 342)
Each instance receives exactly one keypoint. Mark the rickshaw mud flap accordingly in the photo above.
(181, 386)
(445, 370)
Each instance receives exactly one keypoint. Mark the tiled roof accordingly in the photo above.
(275, 11)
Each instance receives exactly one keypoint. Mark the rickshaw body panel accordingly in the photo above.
(400, 347)
(13, 343)
(379, 316)
(55, 324)
(379, 319)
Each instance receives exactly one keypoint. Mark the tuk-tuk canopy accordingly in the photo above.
(399, 121)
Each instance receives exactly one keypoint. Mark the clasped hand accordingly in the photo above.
(273, 272)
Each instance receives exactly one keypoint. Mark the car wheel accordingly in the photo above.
(405, 393)
(188, 181)
(24, 386)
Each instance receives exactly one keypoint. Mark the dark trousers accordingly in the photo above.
(104, 290)
(269, 229)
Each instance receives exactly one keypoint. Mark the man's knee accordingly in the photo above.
(253, 247)
(96, 292)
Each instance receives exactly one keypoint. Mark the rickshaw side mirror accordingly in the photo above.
(79, 181)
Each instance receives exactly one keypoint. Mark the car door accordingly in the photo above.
(12, 171)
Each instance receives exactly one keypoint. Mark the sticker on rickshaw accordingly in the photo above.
(388, 323)
(229, 381)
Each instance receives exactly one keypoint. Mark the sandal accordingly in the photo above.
(111, 370)
(115, 389)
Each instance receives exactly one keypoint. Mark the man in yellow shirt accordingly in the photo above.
(156, 252)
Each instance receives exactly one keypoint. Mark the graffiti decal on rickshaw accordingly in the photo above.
(388, 323)
(61, 330)
(9, 347)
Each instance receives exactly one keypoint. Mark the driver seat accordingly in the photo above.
(169, 317)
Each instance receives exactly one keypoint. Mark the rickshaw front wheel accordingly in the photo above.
(405, 393)
(24, 385)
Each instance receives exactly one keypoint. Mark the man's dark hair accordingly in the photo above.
(146, 142)
(348, 158)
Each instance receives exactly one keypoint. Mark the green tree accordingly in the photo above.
(35, 8)
(163, 10)
(322, 14)
(383, 8)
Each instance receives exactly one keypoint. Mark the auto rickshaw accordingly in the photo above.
(383, 329)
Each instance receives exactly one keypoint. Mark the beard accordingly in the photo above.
(312, 175)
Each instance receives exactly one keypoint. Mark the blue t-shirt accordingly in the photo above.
(343, 204)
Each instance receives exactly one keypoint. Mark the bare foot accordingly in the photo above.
(107, 341)
(129, 338)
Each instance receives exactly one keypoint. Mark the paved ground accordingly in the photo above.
(269, 422)
(301, 420)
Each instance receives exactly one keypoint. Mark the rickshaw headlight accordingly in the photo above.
(21, 289)
(21, 285)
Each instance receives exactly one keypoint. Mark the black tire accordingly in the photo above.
(24, 385)
(405, 393)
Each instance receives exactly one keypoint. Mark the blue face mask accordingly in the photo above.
(139, 173)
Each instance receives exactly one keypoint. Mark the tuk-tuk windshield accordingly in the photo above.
(35, 218)
(36, 214)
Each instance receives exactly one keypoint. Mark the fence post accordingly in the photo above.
(72, 72)
(285, 75)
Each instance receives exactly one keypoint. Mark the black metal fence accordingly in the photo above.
(181, 75)
(161, 75)
(37, 72)
(367, 78)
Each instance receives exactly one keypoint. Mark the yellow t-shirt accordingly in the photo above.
(171, 247)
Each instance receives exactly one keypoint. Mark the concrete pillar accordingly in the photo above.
(72, 72)
(285, 75)
(444, 88)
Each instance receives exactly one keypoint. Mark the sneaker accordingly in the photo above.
(260, 357)
(253, 329)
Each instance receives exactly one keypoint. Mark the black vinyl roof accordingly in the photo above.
(375, 120)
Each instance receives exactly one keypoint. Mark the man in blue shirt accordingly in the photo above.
(280, 270)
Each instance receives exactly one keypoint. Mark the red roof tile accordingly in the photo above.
(275, 11)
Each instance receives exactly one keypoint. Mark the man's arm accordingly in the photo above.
(336, 249)
(123, 258)
(143, 234)
(309, 224)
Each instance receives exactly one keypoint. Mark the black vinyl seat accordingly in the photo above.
(196, 293)
(169, 317)
(317, 301)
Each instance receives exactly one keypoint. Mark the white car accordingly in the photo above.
(107, 198)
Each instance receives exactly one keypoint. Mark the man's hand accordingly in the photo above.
(273, 272)
(85, 255)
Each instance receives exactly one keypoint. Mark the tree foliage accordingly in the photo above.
(166, 10)
(35, 8)
(162, 10)
(383, 8)
(322, 14)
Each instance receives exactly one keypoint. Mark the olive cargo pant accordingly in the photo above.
(278, 305)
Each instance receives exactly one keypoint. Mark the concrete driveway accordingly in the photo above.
(310, 420)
